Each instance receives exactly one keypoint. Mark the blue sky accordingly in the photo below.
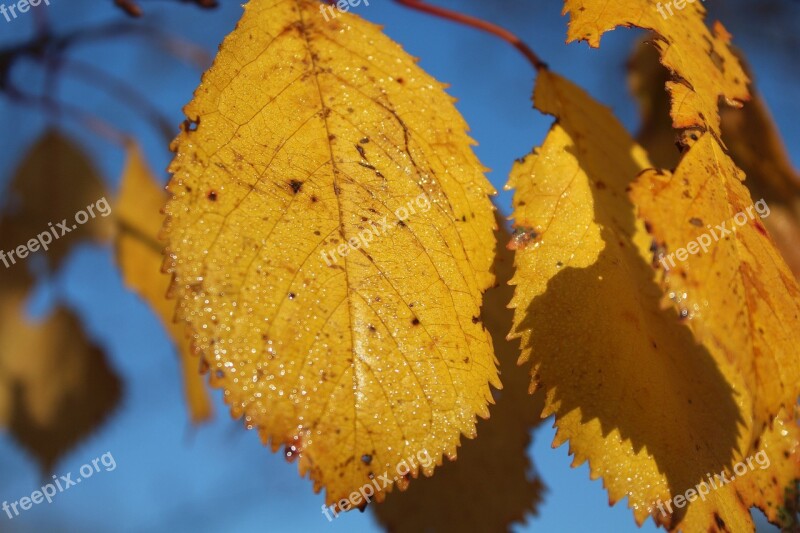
(173, 477)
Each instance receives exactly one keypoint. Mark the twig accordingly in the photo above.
(474, 22)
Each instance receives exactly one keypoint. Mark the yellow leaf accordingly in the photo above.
(56, 386)
(751, 137)
(330, 237)
(55, 181)
(766, 479)
(139, 256)
(702, 65)
(497, 458)
(755, 145)
(651, 410)
(724, 272)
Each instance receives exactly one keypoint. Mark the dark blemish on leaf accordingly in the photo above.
(720, 522)
(600, 185)
(296, 185)
(219, 374)
(212, 196)
(331, 137)
(466, 360)
(336, 189)
(365, 140)
(475, 320)
(292, 296)
(522, 237)
(415, 321)
(401, 223)
(694, 221)
(191, 125)
(463, 218)
(559, 264)
(314, 198)
(361, 151)
(400, 81)
(366, 459)
(371, 328)
(761, 229)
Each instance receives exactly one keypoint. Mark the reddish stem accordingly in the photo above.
(488, 27)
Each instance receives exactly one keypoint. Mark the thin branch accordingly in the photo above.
(101, 79)
(98, 126)
(474, 22)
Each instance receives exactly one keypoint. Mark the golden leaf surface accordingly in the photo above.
(330, 238)
(56, 386)
(723, 271)
(139, 219)
(701, 62)
(498, 457)
(651, 410)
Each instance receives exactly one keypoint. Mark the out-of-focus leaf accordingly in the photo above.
(701, 62)
(138, 210)
(647, 79)
(353, 355)
(56, 386)
(634, 394)
(55, 181)
(492, 483)
(139, 255)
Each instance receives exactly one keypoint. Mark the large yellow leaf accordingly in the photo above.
(355, 355)
(702, 65)
(497, 458)
(56, 386)
(139, 255)
(651, 410)
(724, 272)
(54, 182)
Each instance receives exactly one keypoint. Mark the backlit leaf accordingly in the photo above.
(732, 285)
(305, 134)
(139, 255)
(752, 139)
(634, 394)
